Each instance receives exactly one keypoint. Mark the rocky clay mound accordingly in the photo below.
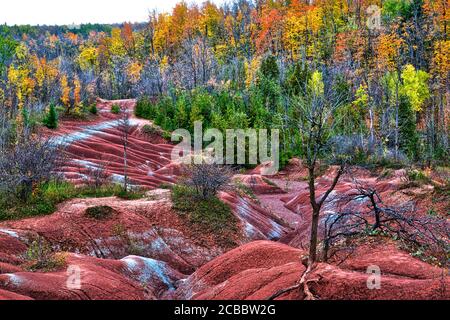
(85, 278)
(148, 227)
(260, 269)
(136, 250)
(258, 222)
(103, 150)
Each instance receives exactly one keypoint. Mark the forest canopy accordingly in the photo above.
(247, 64)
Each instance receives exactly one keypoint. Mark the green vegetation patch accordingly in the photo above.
(115, 109)
(48, 195)
(209, 215)
(40, 256)
(100, 212)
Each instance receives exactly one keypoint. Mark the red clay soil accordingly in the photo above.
(145, 250)
(7, 295)
(238, 274)
(258, 184)
(146, 161)
(96, 143)
(390, 190)
(132, 278)
(258, 223)
(147, 226)
(260, 269)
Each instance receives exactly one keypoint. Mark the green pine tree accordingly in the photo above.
(51, 118)
(408, 137)
(269, 68)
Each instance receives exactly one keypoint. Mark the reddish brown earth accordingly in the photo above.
(98, 144)
(131, 278)
(146, 250)
(299, 210)
(259, 270)
(146, 226)
(105, 248)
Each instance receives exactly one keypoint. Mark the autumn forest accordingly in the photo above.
(347, 198)
(247, 64)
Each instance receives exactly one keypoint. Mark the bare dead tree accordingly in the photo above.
(208, 179)
(125, 130)
(316, 110)
(97, 175)
(403, 223)
(6, 130)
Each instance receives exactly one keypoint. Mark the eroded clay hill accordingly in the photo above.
(261, 269)
(98, 145)
(144, 247)
(145, 250)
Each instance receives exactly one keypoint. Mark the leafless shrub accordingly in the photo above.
(208, 179)
(28, 162)
(405, 223)
(96, 176)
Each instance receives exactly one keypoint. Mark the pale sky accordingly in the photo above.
(51, 12)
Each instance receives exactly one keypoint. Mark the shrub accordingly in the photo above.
(97, 176)
(47, 196)
(208, 214)
(130, 195)
(152, 130)
(417, 178)
(100, 212)
(207, 179)
(40, 256)
(51, 118)
(132, 245)
(115, 109)
(143, 108)
(27, 163)
(93, 108)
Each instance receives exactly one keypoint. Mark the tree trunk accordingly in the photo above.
(315, 215)
(125, 165)
(26, 189)
(313, 239)
(396, 122)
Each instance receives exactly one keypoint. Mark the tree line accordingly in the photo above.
(249, 63)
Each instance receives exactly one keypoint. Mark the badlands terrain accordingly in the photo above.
(146, 250)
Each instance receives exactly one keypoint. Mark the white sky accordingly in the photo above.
(51, 12)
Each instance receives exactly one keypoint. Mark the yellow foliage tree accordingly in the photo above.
(441, 58)
(388, 51)
(87, 59)
(251, 70)
(134, 71)
(116, 45)
(20, 83)
(76, 94)
(65, 92)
